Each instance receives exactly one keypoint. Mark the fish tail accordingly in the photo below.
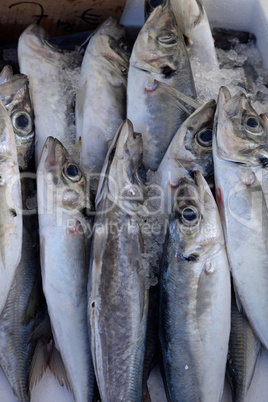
(46, 356)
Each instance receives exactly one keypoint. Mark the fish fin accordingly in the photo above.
(85, 43)
(35, 299)
(43, 330)
(39, 363)
(254, 361)
(178, 97)
(79, 145)
(238, 303)
(102, 184)
(57, 368)
(47, 356)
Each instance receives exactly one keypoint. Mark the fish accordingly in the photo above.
(195, 297)
(22, 313)
(14, 93)
(10, 207)
(244, 349)
(53, 77)
(159, 63)
(101, 94)
(190, 150)
(240, 156)
(118, 274)
(63, 207)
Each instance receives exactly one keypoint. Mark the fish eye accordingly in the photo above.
(252, 122)
(264, 161)
(252, 125)
(22, 123)
(204, 138)
(167, 38)
(124, 47)
(72, 172)
(190, 216)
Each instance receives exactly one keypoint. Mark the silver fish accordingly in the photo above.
(195, 297)
(53, 76)
(20, 315)
(101, 94)
(118, 292)
(10, 207)
(62, 199)
(14, 93)
(240, 155)
(159, 61)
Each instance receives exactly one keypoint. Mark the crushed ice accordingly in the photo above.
(240, 68)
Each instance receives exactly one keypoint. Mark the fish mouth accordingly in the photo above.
(223, 97)
(129, 142)
(200, 181)
(36, 30)
(228, 105)
(52, 154)
(41, 45)
(43, 37)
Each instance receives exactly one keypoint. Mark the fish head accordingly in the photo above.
(109, 41)
(123, 175)
(15, 95)
(36, 43)
(196, 215)
(64, 182)
(192, 144)
(158, 46)
(241, 134)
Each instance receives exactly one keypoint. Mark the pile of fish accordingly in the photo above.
(134, 220)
